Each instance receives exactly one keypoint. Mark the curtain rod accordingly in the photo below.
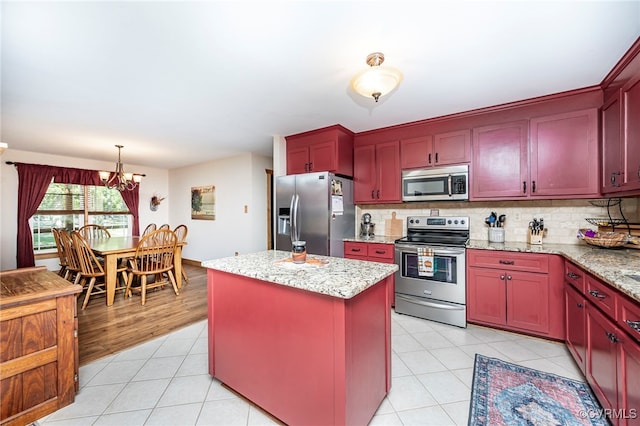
(14, 164)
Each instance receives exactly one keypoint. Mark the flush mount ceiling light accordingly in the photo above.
(378, 80)
(119, 179)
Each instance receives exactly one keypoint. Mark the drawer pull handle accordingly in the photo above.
(633, 324)
(597, 294)
(612, 337)
(381, 251)
(355, 249)
(506, 262)
(573, 275)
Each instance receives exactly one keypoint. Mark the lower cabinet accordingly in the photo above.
(502, 291)
(603, 340)
(373, 252)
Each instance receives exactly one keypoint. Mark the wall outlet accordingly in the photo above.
(246, 209)
(516, 216)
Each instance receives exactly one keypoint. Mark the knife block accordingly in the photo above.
(535, 239)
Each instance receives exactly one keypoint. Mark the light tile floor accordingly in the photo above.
(165, 381)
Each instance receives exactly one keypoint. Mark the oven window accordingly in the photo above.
(444, 268)
(425, 186)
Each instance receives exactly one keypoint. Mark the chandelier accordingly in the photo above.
(119, 179)
(378, 80)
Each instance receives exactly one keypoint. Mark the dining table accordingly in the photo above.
(115, 248)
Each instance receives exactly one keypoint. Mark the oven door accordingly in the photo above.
(448, 280)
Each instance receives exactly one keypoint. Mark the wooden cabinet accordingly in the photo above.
(516, 291)
(554, 156)
(437, 150)
(327, 149)
(376, 177)
(606, 323)
(612, 151)
(372, 252)
(39, 346)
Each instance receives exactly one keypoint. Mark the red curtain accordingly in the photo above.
(33, 181)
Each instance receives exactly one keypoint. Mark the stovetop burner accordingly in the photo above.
(437, 230)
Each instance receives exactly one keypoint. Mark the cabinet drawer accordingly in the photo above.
(511, 260)
(601, 295)
(355, 250)
(629, 316)
(380, 251)
(574, 275)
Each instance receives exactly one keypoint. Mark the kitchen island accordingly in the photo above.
(309, 343)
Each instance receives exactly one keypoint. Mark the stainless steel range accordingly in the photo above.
(430, 282)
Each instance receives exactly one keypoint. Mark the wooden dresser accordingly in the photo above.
(38, 344)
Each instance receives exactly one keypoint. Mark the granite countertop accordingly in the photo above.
(333, 276)
(384, 239)
(613, 266)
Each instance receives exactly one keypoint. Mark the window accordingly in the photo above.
(71, 206)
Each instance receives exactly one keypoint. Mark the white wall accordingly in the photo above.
(156, 181)
(239, 181)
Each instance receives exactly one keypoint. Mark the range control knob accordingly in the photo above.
(449, 221)
(462, 221)
(455, 221)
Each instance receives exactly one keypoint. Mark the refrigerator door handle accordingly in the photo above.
(295, 229)
(292, 218)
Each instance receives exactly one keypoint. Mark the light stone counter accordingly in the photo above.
(613, 266)
(384, 239)
(333, 276)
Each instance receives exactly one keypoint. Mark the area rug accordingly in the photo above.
(509, 394)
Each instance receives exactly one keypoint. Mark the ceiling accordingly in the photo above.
(179, 83)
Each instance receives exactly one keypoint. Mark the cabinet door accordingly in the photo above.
(416, 152)
(322, 157)
(528, 301)
(631, 107)
(602, 355)
(486, 296)
(629, 380)
(364, 174)
(564, 154)
(576, 325)
(452, 147)
(611, 146)
(297, 160)
(388, 172)
(500, 167)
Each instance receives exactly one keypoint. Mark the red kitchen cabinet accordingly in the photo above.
(576, 326)
(612, 149)
(558, 160)
(516, 291)
(327, 149)
(376, 177)
(500, 166)
(631, 128)
(372, 252)
(628, 381)
(564, 154)
(438, 150)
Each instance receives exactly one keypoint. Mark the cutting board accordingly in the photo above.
(393, 226)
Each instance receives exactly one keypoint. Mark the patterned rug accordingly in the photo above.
(508, 394)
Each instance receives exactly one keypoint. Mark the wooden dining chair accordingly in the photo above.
(93, 231)
(181, 234)
(71, 256)
(153, 259)
(149, 229)
(62, 256)
(165, 226)
(91, 269)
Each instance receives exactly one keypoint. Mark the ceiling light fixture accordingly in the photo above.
(378, 80)
(119, 179)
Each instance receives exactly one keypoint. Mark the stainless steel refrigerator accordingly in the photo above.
(316, 208)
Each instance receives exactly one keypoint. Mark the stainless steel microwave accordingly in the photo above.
(436, 184)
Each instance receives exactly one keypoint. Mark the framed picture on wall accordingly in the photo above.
(203, 202)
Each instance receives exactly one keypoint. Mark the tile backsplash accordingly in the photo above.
(562, 218)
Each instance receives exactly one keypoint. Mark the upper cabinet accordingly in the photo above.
(329, 149)
(376, 177)
(620, 117)
(440, 149)
(554, 156)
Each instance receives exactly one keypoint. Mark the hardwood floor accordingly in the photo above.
(106, 330)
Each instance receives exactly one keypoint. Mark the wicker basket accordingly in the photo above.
(607, 239)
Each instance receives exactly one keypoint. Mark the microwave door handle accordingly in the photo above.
(449, 185)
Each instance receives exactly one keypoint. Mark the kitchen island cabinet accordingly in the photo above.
(39, 346)
(309, 343)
